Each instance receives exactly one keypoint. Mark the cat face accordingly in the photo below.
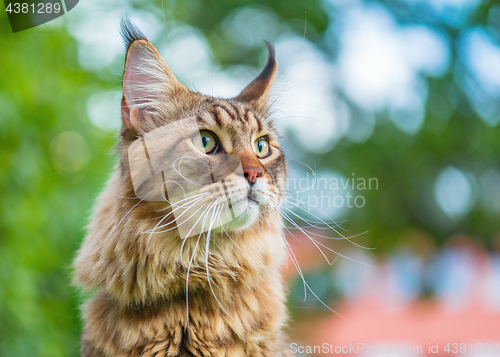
(214, 164)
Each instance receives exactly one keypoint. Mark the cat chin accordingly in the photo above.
(244, 220)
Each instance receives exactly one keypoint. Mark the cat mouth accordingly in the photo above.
(251, 198)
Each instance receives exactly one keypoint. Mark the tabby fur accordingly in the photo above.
(139, 305)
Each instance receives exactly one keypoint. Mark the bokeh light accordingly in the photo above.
(404, 92)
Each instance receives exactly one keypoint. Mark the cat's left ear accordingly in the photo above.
(149, 87)
(257, 91)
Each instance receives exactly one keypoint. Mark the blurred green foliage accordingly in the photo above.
(43, 211)
(407, 165)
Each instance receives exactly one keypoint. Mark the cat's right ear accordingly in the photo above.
(148, 83)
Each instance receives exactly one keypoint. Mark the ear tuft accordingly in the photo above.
(130, 33)
(150, 90)
(256, 92)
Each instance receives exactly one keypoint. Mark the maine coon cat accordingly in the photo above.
(185, 244)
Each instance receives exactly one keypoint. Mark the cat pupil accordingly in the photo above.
(204, 141)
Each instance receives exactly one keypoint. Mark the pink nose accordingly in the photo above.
(251, 174)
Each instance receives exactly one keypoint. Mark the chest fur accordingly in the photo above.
(249, 324)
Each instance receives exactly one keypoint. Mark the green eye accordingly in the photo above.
(262, 148)
(205, 142)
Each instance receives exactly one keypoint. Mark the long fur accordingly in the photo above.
(130, 33)
(219, 293)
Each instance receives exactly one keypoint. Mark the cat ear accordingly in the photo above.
(256, 92)
(148, 83)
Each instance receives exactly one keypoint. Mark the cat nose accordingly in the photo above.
(251, 174)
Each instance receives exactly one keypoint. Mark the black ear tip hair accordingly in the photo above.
(270, 48)
(130, 33)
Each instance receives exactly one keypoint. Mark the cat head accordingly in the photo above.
(207, 163)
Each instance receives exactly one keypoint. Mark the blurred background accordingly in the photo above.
(390, 112)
